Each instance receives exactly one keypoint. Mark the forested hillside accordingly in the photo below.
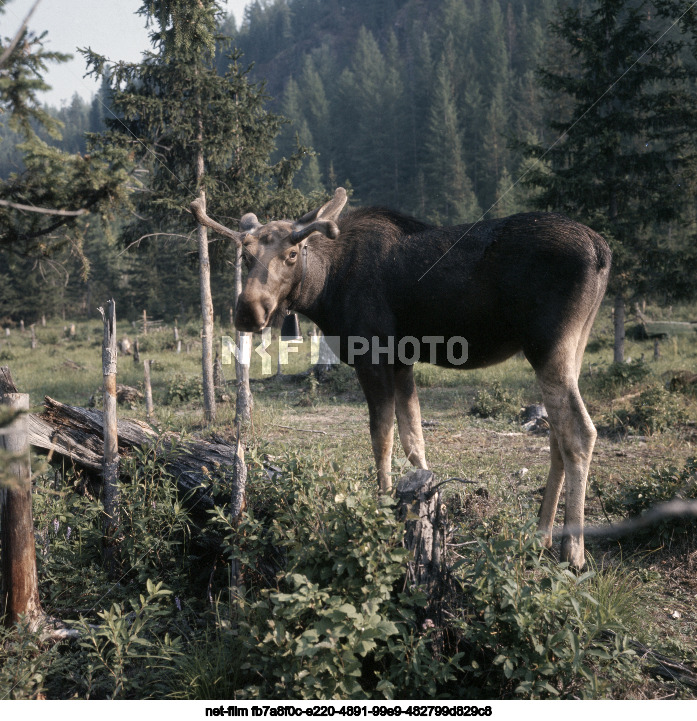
(411, 102)
(433, 107)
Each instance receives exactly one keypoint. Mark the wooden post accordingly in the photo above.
(656, 350)
(145, 322)
(148, 389)
(110, 464)
(20, 583)
(33, 336)
(21, 326)
(218, 377)
(238, 502)
(136, 351)
(43, 320)
(420, 508)
(244, 401)
(7, 331)
(73, 330)
(176, 332)
(618, 318)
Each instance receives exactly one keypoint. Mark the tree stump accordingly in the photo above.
(20, 584)
(423, 514)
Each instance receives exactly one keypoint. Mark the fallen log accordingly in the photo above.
(74, 435)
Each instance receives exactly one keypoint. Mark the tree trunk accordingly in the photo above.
(110, 464)
(20, 583)
(206, 305)
(245, 401)
(619, 328)
(148, 390)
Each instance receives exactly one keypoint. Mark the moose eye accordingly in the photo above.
(293, 254)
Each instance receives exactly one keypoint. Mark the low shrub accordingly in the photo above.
(659, 486)
(531, 625)
(496, 402)
(654, 411)
(327, 618)
(182, 389)
(619, 376)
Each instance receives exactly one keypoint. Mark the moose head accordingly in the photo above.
(275, 254)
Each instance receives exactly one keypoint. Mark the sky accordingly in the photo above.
(109, 27)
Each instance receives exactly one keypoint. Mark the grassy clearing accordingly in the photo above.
(644, 585)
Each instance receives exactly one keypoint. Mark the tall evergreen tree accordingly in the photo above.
(451, 197)
(623, 159)
(195, 134)
(51, 192)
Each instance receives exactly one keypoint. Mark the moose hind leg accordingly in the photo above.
(409, 416)
(550, 499)
(575, 436)
(378, 385)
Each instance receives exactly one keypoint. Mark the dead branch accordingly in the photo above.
(44, 211)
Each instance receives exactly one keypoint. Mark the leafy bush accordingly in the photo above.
(182, 389)
(532, 627)
(123, 650)
(495, 402)
(333, 624)
(619, 376)
(22, 663)
(654, 411)
(660, 486)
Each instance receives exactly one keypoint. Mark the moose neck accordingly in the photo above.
(306, 296)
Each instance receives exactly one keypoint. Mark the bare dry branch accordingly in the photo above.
(13, 44)
(43, 211)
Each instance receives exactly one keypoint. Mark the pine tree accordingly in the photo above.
(51, 193)
(623, 157)
(195, 134)
(450, 196)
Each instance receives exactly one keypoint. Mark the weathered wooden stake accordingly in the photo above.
(21, 326)
(110, 465)
(656, 350)
(244, 401)
(421, 510)
(176, 332)
(218, 377)
(43, 320)
(145, 322)
(20, 583)
(148, 389)
(136, 351)
(33, 336)
(73, 330)
(238, 502)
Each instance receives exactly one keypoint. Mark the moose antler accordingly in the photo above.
(200, 215)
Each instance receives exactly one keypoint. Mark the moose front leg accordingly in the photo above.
(409, 416)
(377, 382)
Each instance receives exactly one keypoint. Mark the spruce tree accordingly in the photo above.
(623, 157)
(450, 196)
(49, 197)
(195, 134)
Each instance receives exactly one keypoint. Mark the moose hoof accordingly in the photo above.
(572, 552)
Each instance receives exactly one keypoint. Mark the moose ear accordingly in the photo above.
(249, 223)
(327, 227)
(329, 211)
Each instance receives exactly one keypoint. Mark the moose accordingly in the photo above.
(531, 282)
